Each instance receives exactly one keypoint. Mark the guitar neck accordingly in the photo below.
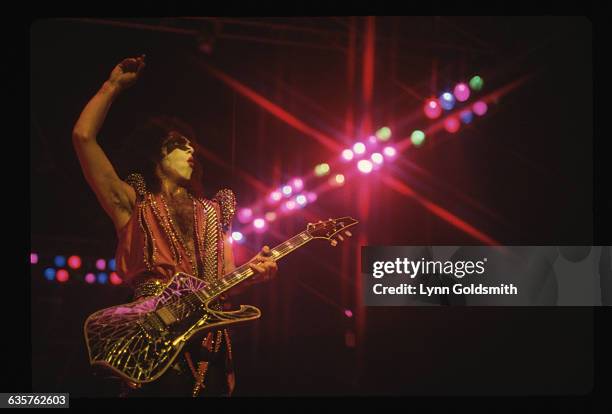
(243, 272)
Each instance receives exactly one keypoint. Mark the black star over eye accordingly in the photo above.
(175, 141)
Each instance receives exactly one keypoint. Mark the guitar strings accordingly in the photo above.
(238, 275)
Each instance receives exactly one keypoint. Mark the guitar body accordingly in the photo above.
(140, 340)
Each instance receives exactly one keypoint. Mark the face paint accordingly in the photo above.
(174, 141)
(178, 153)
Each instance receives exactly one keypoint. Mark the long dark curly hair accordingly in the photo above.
(142, 151)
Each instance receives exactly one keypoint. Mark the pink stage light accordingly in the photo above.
(390, 152)
(480, 108)
(245, 214)
(432, 108)
(275, 196)
(377, 158)
(359, 148)
(297, 184)
(462, 92)
(287, 190)
(259, 223)
(347, 154)
(100, 264)
(365, 166)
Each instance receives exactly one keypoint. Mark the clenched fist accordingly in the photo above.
(127, 72)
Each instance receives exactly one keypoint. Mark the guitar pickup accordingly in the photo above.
(165, 315)
(152, 325)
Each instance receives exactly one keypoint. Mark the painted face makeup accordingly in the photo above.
(178, 158)
(174, 141)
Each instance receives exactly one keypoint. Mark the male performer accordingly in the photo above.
(164, 226)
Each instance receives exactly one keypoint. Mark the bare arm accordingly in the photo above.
(116, 196)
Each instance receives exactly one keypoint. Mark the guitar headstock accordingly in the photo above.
(331, 229)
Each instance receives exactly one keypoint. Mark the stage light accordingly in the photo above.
(377, 158)
(259, 223)
(297, 184)
(49, 273)
(301, 200)
(62, 275)
(100, 264)
(102, 278)
(462, 92)
(417, 138)
(480, 108)
(476, 83)
(390, 152)
(372, 140)
(322, 169)
(270, 216)
(290, 205)
(359, 148)
(237, 236)
(90, 278)
(466, 116)
(287, 190)
(338, 179)
(347, 154)
(451, 124)
(74, 262)
(245, 214)
(60, 261)
(447, 101)
(33, 258)
(432, 108)
(115, 279)
(365, 166)
(274, 197)
(312, 197)
(348, 313)
(112, 264)
(383, 134)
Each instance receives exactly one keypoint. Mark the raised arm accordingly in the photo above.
(116, 196)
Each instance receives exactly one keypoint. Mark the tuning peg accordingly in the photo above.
(348, 233)
(340, 238)
(334, 243)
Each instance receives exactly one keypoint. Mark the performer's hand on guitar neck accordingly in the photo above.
(263, 265)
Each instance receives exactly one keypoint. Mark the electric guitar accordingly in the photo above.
(140, 340)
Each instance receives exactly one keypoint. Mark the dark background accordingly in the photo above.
(529, 160)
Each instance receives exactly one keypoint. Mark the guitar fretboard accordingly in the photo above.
(243, 272)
